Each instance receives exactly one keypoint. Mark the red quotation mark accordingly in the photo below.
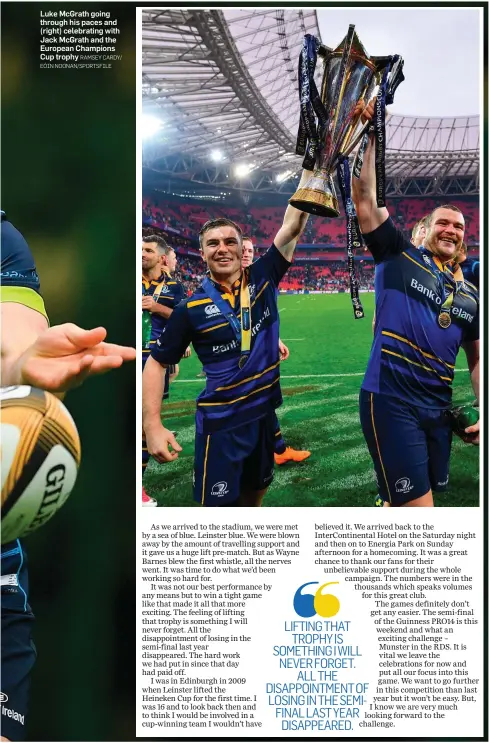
(308, 604)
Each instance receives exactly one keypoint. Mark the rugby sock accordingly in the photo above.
(279, 442)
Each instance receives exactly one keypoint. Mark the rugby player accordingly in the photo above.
(418, 233)
(232, 321)
(425, 313)
(470, 266)
(54, 359)
(283, 453)
(161, 293)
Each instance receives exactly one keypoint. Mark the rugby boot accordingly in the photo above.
(147, 501)
(291, 455)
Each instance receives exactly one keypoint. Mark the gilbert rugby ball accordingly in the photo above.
(40, 455)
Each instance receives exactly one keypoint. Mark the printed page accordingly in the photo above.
(320, 375)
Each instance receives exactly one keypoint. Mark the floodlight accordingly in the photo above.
(217, 156)
(242, 170)
(150, 125)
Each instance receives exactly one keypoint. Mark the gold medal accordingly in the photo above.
(444, 320)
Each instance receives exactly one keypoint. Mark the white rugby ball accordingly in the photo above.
(40, 456)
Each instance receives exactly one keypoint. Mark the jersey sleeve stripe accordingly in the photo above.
(23, 295)
(420, 265)
(260, 292)
(462, 294)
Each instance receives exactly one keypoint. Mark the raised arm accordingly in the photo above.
(293, 225)
(370, 216)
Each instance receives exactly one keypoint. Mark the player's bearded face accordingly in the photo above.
(445, 234)
(151, 256)
(222, 251)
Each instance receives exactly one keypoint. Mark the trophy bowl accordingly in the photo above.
(349, 76)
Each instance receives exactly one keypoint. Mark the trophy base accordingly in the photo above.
(313, 201)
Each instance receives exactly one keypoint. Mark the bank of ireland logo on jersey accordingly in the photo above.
(307, 605)
(403, 485)
(3, 697)
(219, 489)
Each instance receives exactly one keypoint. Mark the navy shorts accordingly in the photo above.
(409, 445)
(18, 651)
(227, 461)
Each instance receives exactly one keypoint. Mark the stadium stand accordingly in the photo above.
(320, 266)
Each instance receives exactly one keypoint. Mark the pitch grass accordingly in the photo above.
(329, 351)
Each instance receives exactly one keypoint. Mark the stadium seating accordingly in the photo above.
(320, 268)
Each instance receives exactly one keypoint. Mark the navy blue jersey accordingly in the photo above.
(470, 269)
(168, 292)
(232, 396)
(413, 357)
(19, 279)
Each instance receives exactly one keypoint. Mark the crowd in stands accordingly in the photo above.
(333, 277)
(186, 219)
(321, 269)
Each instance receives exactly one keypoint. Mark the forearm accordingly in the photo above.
(293, 225)
(153, 386)
(363, 188)
(21, 327)
(364, 193)
(159, 309)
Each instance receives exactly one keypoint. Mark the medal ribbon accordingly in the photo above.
(353, 234)
(451, 285)
(241, 327)
(311, 105)
(379, 129)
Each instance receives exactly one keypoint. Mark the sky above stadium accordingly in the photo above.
(440, 47)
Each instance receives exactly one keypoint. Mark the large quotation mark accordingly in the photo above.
(307, 604)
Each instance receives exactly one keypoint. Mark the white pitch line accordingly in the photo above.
(293, 339)
(299, 376)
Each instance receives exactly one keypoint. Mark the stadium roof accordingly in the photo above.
(224, 83)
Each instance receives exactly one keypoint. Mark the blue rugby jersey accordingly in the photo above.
(470, 269)
(20, 284)
(171, 294)
(17, 265)
(232, 396)
(412, 357)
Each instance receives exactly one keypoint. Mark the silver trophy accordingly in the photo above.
(328, 122)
